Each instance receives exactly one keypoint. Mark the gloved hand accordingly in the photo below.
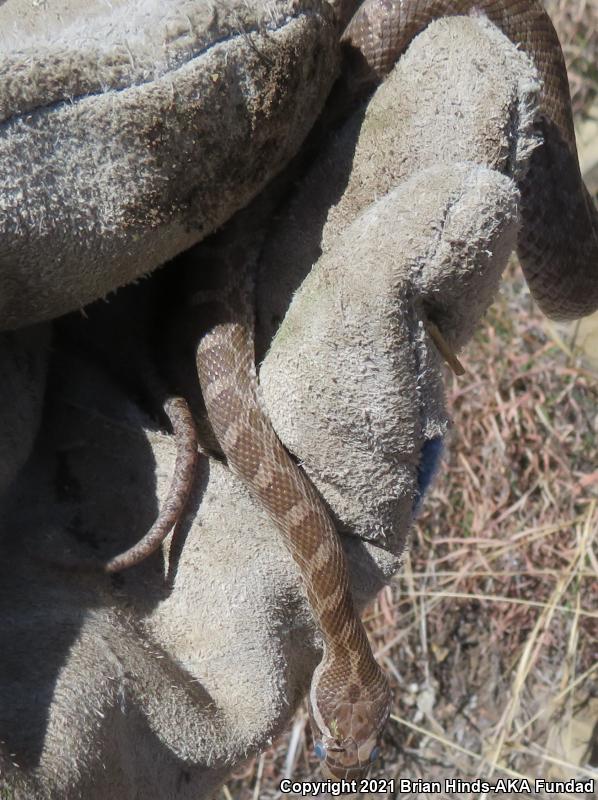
(138, 686)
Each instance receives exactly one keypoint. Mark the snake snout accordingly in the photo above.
(338, 773)
(346, 760)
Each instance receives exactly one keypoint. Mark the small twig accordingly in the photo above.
(443, 348)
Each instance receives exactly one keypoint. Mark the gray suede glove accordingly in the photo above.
(139, 686)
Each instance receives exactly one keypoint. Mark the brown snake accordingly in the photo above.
(349, 698)
(558, 240)
(185, 435)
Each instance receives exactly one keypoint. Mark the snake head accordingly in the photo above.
(349, 704)
(345, 759)
(349, 743)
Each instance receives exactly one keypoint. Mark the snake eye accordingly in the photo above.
(375, 754)
(319, 751)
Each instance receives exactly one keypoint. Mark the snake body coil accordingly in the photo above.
(558, 246)
(558, 240)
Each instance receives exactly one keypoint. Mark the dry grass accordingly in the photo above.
(500, 610)
(489, 634)
(577, 24)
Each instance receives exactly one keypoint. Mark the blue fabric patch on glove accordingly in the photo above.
(428, 465)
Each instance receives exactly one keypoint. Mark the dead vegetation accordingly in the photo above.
(489, 633)
(577, 24)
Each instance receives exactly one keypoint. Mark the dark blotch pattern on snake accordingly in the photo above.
(349, 698)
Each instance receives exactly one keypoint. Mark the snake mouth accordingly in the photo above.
(349, 762)
(338, 772)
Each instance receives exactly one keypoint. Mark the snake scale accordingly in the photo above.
(349, 698)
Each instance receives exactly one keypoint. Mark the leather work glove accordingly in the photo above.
(133, 136)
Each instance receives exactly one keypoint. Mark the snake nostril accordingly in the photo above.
(319, 751)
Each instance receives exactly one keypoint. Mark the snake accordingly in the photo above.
(557, 243)
(184, 432)
(349, 697)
